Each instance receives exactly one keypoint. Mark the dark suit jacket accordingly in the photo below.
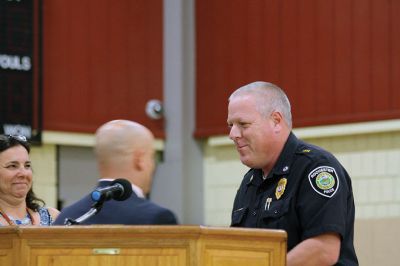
(132, 211)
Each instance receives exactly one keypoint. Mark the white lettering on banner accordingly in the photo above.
(15, 62)
(15, 129)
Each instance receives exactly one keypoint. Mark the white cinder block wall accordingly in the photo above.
(45, 173)
(223, 173)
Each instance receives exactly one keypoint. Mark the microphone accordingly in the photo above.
(120, 189)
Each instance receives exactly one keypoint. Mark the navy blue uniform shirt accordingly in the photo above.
(307, 193)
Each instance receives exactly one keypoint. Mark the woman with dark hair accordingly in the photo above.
(18, 204)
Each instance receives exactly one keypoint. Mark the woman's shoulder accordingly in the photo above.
(47, 215)
(53, 212)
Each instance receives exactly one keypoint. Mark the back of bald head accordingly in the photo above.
(118, 139)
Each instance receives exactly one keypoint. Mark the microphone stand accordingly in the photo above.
(96, 207)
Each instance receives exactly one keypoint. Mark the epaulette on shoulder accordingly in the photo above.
(307, 151)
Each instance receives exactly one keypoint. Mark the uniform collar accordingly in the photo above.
(285, 160)
(282, 166)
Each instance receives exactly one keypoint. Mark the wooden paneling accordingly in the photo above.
(102, 60)
(144, 246)
(338, 60)
(7, 245)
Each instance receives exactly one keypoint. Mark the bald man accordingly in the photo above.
(124, 149)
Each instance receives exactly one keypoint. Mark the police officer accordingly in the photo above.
(291, 185)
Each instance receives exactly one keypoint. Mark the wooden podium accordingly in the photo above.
(141, 246)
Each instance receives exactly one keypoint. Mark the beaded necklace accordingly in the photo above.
(27, 220)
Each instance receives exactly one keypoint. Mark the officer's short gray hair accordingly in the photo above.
(269, 98)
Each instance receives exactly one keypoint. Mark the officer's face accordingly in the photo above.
(254, 135)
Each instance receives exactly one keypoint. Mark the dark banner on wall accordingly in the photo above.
(20, 97)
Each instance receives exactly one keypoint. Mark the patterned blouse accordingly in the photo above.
(44, 215)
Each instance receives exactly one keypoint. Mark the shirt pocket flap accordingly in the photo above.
(277, 209)
(238, 215)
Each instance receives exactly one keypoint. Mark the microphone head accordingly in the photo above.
(127, 189)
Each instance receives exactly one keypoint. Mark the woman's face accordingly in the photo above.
(15, 172)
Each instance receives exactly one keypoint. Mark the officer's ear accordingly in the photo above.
(277, 119)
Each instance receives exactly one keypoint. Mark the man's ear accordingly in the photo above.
(138, 161)
(277, 119)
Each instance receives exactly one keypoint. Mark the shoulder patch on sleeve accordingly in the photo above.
(324, 181)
